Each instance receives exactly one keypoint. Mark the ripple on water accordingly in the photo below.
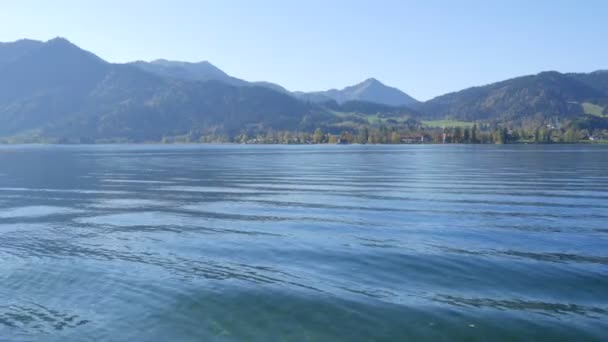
(35, 318)
(129, 203)
(136, 181)
(67, 191)
(256, 211)
(134, 219)
(36, 211)
(546, 308)
(211, 189)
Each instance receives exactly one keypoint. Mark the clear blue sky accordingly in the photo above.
(425, 48)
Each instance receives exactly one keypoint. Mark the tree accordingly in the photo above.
(547, 136)
(383, 135)
(474, 134)
(317, 137)
(286, 139)
(500, 136)
(537, 135)
(467, 135)
(346, 137)
(457, 136)
(395, 138)
(363, 135)
(571, 136)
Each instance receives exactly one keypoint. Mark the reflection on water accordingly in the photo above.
(316, 243)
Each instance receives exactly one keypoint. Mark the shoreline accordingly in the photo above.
(281, 144)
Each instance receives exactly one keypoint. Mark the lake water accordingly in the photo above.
(303, 243)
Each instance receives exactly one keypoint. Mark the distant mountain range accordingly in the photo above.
(55, 89)
(370, 90)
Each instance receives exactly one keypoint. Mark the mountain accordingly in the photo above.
(597, 79)
(12, 51)
(59, 90)
(201, 71)
(272, 86)
(542, 96)
(370, 90)
(46, 83)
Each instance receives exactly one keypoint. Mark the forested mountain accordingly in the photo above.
(201, 71)
(46, 85)
(597, 79)
(59, 90)
(545, 95)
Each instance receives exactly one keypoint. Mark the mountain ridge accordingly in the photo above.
(57, 89)
(370, 90)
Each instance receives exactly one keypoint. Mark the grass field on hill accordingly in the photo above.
(592, 109)
(447, 123)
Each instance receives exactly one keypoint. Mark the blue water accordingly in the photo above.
(303, 243)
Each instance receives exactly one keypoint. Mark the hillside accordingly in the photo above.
(12, 51)
(201, 71)
(597, 79)
(542, 96)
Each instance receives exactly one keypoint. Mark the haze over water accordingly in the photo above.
(317, 243)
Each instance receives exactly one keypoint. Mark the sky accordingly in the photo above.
(425, 48)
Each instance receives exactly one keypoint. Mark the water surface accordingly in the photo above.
(311, 243)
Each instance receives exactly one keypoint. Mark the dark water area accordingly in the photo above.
(303, 243)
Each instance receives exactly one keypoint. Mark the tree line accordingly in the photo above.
(472, 134)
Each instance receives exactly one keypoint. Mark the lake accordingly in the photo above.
(303, 243)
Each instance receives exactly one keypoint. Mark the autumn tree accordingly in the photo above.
(395, 138)
(317, 137)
